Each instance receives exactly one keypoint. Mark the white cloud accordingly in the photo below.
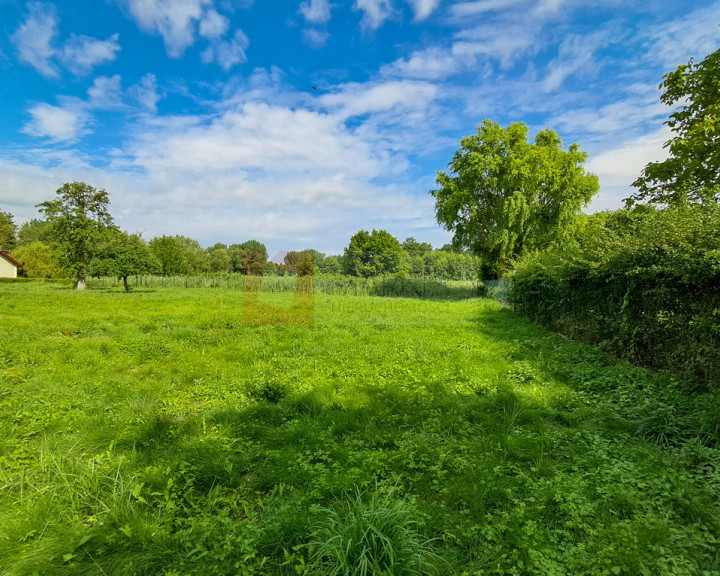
(227, 53)
(34, 38)
(576, 54)
(316, 11)
(315, 38)
(619, 167)
(423, 8)
(105, 93)
(359, 99)
(465, 9)
(375, 12)
(81, 54)
(145, 93)
(174, 20)
(213, 25)
(55, 122)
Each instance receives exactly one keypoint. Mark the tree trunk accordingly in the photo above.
(125, 283)
(80, 283)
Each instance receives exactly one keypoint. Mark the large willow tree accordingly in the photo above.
(504, 195)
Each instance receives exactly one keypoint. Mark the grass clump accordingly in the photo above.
(371, 535)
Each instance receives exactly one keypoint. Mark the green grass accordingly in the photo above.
(154, 433)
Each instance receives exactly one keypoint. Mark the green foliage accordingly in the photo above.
(122, 255)
(415, 248)
(372, 254)
(8, 231)
(154, 433)
(35, 231)
(645, 283)
(504, 196)
(692, 172)
(38, 260)
(79, 221)
(249, 258)
(179, 255)
(299, 263)
(218, 258)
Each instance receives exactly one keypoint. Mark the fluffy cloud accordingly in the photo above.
(423, 8)
(34, 38)
(81, 54)
(359, 99)
(375, 12)
(316, 11)
(174, 20)
(106, 92)
(213, 25)
(145, 93)
(57, 123)
(227, 53)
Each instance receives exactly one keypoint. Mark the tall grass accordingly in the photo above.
(401, 286)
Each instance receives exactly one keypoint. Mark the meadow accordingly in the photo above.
(153, 433)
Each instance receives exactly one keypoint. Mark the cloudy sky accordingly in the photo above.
(199, 117)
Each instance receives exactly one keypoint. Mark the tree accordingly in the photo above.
(122, 255)
(8, 229)
(415, 248)
(37, 259)
(504, 196)
(34, 231)
(254, 256)
(692, 172)
(372, 254)
(79, 220)
(299, 263)
(218, 258)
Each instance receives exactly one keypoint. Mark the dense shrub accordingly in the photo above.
(644, 283)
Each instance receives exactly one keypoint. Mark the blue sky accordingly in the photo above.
(199, 117)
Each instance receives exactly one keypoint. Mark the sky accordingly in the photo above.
(300, 122)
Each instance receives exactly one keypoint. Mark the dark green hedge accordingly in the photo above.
(643, 284)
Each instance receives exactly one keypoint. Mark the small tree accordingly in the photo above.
(373, 254)
(38, 260)
(123, 255)
(8, 229)
(504, 196)
(79, 220)
(254, 257)
(300, 263)
(692, 172)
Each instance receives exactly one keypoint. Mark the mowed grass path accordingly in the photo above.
(153, 433)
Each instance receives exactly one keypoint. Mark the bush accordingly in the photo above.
(644, 283)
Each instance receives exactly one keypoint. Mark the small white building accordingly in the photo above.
(8, 265)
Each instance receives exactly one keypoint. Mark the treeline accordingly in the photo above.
(119, 254)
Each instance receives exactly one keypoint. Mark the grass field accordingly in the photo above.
(154, 433)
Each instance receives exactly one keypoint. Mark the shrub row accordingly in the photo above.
(645, 284)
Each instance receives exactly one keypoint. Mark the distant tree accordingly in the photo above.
(415, 248)
(504, 196)
(372, 254)
(35, 231)
(38, 260)
(692, 172)
(299, 263)
(218, 258)
(123, 255)
(8, 230)
(330, 265)
(254, 257)
(170, 255)
(79, 220)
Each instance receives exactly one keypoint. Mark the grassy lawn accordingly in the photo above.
(154, 433)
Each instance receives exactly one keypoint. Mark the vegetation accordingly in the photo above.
(372, 254)
(38, 260)
(123, 255)
(504, 196)
(692, 172)
(7, 231)
(79, 220)
(153, 433)
(643, 283)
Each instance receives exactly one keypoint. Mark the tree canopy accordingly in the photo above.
(692, 171)
(372, 254)
(503, 195)
(8, 229)
(123, 255)
(79, 220)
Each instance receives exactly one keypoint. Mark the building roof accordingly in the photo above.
(10, 259)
